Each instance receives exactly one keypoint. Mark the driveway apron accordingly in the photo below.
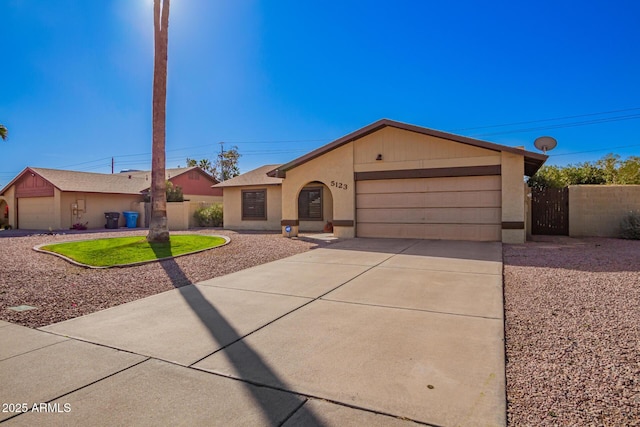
(361, 330)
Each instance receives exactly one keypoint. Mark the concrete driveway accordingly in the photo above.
(363, 332)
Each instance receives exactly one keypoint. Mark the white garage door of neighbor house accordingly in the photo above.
(35, 213)
(456, 208)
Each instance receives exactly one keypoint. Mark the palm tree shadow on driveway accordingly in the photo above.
(246, 360)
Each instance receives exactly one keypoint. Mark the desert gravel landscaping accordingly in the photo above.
(573, 332)
(63, 291)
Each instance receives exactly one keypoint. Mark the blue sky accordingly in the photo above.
(279, 78)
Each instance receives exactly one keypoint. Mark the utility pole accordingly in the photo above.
(112, 166)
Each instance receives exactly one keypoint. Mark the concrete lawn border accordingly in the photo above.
(37, 248)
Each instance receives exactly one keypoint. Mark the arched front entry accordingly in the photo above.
(314, 206)
(335, 171)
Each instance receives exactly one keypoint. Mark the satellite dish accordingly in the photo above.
(545, 143)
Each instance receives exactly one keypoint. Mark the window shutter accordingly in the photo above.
(254, 204)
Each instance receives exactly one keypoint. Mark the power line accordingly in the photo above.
(84, 163)
(277, 141)
(285, 151)
(564, 125)
(546, 120)
(264, 151)
(594, 151)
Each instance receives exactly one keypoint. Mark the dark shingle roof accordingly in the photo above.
(255, 177)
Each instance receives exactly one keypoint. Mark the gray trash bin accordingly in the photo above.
(112, 219)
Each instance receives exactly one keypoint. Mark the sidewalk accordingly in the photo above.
(86, 384)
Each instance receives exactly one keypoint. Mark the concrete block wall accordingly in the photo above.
(178, 216)
(596, 210)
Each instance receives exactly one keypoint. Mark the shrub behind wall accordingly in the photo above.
(630, 226)
(210, 216)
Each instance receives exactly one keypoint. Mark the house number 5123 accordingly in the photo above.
(339, 185)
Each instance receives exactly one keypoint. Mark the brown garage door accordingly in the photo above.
(35, 213)
(457, 208)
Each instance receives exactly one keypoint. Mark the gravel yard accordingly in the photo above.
(62, 291)
(573, 332)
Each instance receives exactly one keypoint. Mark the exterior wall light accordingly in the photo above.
(379, 157)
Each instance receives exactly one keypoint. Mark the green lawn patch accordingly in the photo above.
(131, 250)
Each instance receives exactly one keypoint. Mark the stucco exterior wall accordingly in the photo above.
(513, 198)
(335, 170)
(95, 205)
(402, 149)
(232, 208)
(177, 215)
(596, 210)
(57, 208)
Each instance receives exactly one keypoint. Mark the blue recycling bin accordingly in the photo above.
(131, 218)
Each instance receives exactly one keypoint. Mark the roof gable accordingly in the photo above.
(533, 161)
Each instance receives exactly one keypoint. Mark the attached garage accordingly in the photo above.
(37, 213)
(453, 208)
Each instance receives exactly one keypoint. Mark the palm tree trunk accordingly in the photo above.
(158, 230)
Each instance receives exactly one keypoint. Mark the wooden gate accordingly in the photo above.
(550, 211)
(147, 214)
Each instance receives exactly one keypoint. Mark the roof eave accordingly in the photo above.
(277, 173)
(533, 162)
(248, 185)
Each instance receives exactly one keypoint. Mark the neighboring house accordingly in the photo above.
(391, 179)
(196, 184)
(40, 198)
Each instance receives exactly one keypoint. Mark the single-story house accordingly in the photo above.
(41, 199)
(390, 179)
